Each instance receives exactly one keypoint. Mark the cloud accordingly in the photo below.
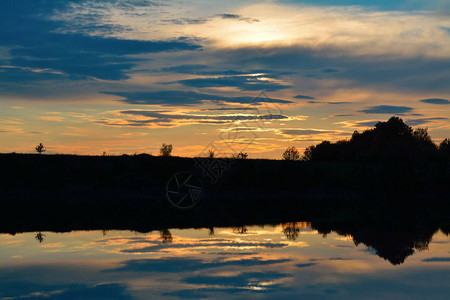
(424, 74)
(304, 97)
(435, 101)
(353, 124)
(339, 103)
(182, 21)
(387, 109)
(340, 115)
(437, 259)
(229, 109)
(183, 264)
(243, 280)
(304, 131)
(158, 118)
(305, 265)
(82, 57)
(196, 69)
(229, 16)
(35, 42)
(416, 122)
(29, 290)
(146, 118)
(243, 83)
(174, 98)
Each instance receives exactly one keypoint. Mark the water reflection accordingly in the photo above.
(277, 261)
(321, 252)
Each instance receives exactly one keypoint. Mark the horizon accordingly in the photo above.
(123, 77)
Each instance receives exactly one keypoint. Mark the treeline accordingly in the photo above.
(391, 141)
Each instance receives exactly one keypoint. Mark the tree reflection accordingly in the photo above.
(291, 230)
(166, 236)
(39, 237)
(240, 230)
(211, 231)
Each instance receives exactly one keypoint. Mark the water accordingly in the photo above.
(285, 261)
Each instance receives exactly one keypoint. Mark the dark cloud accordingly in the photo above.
(237, 17)
(182, 21)
(182, 264)
(428, 74)
(305, 265)
(387, 109)
(25, 75)
(338, 103)
(422, 121)
(35, 43)
(340, 115)
(244, 83)
(162, 118)
(366, 123)
(230, 109)
(173, 98)
(35, 291)
(304, 97)
(158, 246)
(435, 101)
(197, 69)
(229, 16)
(437, 259)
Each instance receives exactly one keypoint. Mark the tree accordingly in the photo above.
(165, 150)
(40, 148)
(291, 153)
(307, 154)
(211, 153)
(422, 137)
(240, 155)
(444, 148)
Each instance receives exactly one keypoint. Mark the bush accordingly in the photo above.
(240, 155)
(40, 148)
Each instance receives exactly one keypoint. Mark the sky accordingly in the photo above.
(87, 77)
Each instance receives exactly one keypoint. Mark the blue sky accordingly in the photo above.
(125, 76)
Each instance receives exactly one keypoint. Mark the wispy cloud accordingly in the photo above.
(387, 109)
(171, 98)
(435, 101)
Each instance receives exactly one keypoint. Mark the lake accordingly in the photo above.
(280, 261)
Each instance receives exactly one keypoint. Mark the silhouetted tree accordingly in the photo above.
(444, 148)
(308, 152)
(165, 150)
(240, 155)
(211, 153)
(291, 153)
(40, 148)
(422, 137)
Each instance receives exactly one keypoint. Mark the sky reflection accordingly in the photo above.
(264, 262)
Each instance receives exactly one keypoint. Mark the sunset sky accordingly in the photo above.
(84, 77)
